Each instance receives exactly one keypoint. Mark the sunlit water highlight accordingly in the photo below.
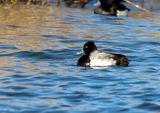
(38, 72)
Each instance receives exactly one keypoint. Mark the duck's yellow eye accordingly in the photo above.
(86, 47)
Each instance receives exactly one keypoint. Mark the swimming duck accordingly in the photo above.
(111, 8)
(94, 58)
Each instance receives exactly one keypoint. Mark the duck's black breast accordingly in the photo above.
(121, 60)
(83, 61)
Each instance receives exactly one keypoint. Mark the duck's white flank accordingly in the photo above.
(122, 13)
(97, 4)
(101, 59)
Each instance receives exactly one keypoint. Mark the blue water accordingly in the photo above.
(38, 72)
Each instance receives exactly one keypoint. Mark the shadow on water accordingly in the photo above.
(38, 47)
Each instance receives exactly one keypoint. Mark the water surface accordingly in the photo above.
(38, 72)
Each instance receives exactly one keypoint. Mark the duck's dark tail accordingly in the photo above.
(121, 60)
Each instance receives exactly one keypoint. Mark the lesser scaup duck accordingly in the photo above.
(94, 58)
(111, 8)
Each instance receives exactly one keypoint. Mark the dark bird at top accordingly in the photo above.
(112, 8)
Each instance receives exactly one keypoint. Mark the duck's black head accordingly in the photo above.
(89, 47)
(110, 2)
(118, 1)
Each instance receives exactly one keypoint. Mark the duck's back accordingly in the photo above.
(121, 60)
